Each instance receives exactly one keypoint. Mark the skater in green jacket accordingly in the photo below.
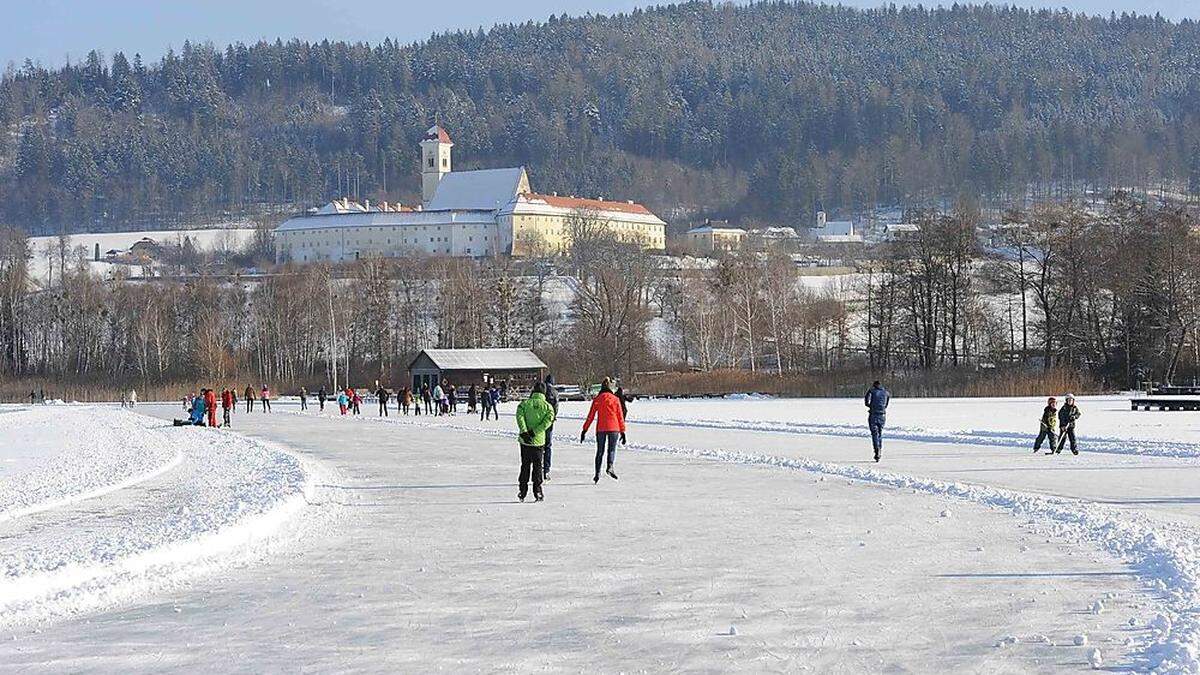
(1048, 429)
(534, 417)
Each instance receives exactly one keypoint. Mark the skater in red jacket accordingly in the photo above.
(227, 403)
(210, 406)
(610, 426)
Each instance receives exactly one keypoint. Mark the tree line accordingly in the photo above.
(764, 111)
(1111, 293)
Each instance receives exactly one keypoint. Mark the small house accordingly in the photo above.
(520, 368)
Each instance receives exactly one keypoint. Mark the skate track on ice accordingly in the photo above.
(819, 561)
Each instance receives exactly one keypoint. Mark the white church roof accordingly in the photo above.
(483, 190)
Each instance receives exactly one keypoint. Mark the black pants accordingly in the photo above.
(531, 463)
(249, 405)
(321, 403)
(610, 439)
(226, 415)
(303, 403)
(266, 405)
(483, 412)
(1067, 432)
(383, 408)
(876, 423)
(428, 406)
(1043, 435)
(546, 451)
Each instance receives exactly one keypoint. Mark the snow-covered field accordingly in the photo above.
(750, 535)
(222, 238)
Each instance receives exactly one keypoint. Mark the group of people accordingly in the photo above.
(535, 426)
(441, 399)
(202, 408)
(1057, 425)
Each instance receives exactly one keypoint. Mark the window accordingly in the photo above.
(443, 162)
(430, 162)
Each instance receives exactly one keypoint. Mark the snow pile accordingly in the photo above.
(51, 457)
(106, 547)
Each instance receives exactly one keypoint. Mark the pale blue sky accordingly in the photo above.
(51, 30)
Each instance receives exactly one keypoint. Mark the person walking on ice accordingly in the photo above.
(266, 399)
(303, 399)
(1066, 425)
(382, 395)
(534, 417)
(249, 398)
(610, 426)
(1048, 429)
(877, 400)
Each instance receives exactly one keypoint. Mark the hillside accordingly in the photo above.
(766, 111)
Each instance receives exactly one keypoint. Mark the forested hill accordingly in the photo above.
(767, 111)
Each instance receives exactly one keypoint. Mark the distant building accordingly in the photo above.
(900, 231)
(713, 236)
(146, 250)
(463, 213)
(462, 367)
(836, 231)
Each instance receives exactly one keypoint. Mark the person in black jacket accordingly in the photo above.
(620, 392)
(382, 394)
(321, 396)
(1066, 425)
(877, 400)
(552, 399)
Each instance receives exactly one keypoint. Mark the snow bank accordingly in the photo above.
(224, 493)
(54, 456)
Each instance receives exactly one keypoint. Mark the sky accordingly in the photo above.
(53, 31)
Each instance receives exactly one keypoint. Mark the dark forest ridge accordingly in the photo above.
(767, 111)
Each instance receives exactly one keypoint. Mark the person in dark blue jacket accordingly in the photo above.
(876, 400)
(552, 399)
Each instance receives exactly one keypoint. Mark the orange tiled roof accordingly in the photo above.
(582, 203)
(436, 132)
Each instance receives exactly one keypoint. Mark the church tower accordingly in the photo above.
(435, 160)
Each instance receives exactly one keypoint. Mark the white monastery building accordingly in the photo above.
(465, 213)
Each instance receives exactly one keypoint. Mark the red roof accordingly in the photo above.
(581, 203)
(436, 132)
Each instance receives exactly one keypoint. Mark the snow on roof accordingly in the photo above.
(483, 190)
(775, 233)
(705, 229)
(836, 227)
(384, 219)
(340, 206)
(484, 359)
(839, 238)
(437, 133)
